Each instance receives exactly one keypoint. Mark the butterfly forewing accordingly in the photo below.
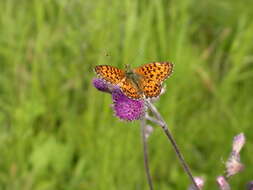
(156, 71)
(110, 74)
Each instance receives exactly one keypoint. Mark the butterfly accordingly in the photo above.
(142, 82)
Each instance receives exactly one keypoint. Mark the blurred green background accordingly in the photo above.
(57, 132)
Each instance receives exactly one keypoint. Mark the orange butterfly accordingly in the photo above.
(142, 82)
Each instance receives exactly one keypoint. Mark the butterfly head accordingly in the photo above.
(129, 72)
(128, 68)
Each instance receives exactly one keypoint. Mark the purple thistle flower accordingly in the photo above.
(222, 183)
(234, 165)
(101, 85)
(124, 107)
(238, 143)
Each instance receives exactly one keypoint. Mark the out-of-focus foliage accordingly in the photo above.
(59, 132)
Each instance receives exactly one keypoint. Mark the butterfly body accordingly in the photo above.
(133, 78)
(142, 82)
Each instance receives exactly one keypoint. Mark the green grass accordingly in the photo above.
(58, 132)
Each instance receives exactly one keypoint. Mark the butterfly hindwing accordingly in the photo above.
(130, 90)
(151, 88)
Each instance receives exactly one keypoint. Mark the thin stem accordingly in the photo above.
(154, 120)
(145, 153)
(173, 142)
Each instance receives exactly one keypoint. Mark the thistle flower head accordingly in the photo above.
(124, 107)
(238, 142)
(101, 85)
(222, 183)
(233, 164)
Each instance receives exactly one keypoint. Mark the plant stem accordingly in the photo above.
(145, 153)
(173, 142)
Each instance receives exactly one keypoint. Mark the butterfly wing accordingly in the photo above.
(151, 88)
(110, 74)
(130, 90)
(153, 74)
(156, 71)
